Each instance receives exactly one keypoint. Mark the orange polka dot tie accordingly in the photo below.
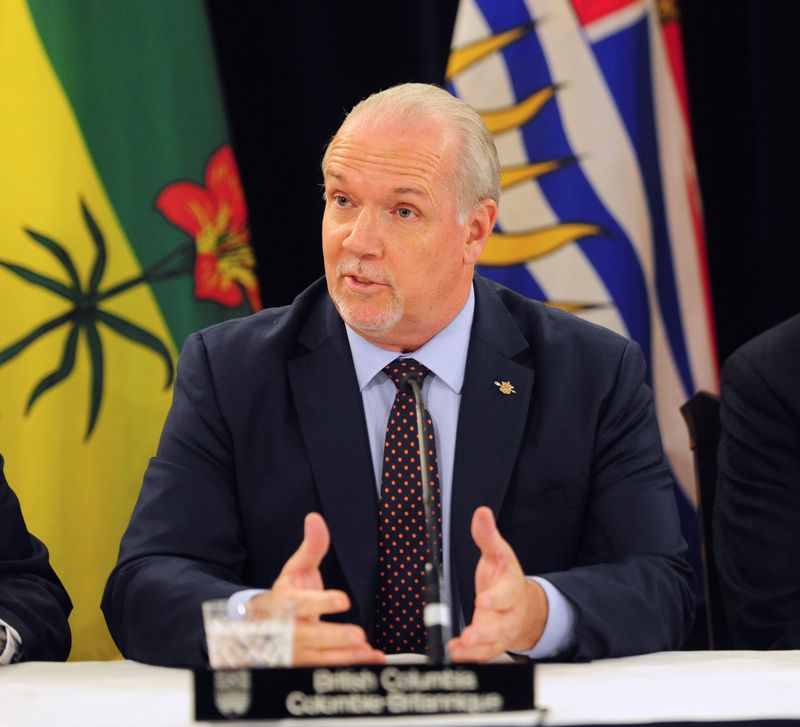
(402, 542)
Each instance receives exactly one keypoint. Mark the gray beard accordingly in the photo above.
(383, 321)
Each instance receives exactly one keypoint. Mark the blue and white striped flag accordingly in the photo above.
(600, 211)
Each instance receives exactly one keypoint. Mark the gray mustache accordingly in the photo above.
(364, 270)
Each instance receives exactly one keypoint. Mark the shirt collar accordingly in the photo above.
(445, 354)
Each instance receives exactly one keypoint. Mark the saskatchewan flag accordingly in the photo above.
(122, 228)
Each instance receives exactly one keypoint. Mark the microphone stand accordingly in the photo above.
(437, 614)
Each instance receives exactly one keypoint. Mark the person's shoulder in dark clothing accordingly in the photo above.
(757, 509)
(33, 602)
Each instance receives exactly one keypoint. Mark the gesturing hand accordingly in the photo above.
(510, 610)
(317, 642)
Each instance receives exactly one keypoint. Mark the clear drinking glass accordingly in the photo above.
(262, 636)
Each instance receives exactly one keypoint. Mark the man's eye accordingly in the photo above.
(405, 213)
(340, 200)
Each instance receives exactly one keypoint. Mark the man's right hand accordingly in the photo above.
(316, 642)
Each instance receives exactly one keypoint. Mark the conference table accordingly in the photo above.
(674, 687)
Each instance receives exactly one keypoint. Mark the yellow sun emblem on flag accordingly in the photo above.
(504, 248)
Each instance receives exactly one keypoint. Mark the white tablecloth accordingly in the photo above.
(735, 685)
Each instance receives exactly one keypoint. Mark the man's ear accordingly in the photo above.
(481, 224)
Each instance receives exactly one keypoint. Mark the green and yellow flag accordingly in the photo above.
(123, 228)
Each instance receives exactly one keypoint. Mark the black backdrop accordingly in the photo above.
(290, 69)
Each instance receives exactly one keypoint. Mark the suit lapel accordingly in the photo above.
(490, 427)
(331, 417)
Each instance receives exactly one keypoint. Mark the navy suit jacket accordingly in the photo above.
(267, 424)
(757, 509)
(32, 599)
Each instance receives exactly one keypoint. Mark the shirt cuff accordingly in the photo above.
(238, 601)
(10, 643)
(559, 628)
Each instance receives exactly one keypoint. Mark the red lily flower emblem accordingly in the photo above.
(216, 217)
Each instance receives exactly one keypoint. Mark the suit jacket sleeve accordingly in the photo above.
(32, 599)
(184, 542)
(631, 585)
(757, 509)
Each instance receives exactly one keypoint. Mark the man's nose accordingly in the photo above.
(365, 235)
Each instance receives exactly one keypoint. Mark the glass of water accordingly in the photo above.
(261, 636)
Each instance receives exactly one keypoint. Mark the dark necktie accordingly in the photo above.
(402, 544)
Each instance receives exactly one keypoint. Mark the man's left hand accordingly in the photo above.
(510, 609)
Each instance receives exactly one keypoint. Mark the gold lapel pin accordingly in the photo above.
(505, 387)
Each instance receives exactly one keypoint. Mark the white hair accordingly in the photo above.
(477, 171)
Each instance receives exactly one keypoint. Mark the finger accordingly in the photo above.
(309, 555)
(487, 628)
(460, 652)
(325, 636)
(308, 604)
(487, 537)
(338, 657)
(475, 655)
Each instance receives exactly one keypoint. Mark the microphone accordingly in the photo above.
(436, 615)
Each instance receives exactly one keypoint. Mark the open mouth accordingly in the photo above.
(359, 284)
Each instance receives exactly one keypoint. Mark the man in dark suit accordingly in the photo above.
(33, 604)
(757, 509)
(559, 524)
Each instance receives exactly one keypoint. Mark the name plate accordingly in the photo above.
(362, 691)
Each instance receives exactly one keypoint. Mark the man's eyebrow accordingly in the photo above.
(409, 190)
(396, 190)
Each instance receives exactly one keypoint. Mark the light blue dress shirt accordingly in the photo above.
(446, 356)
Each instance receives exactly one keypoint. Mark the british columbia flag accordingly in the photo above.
(600, 211)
